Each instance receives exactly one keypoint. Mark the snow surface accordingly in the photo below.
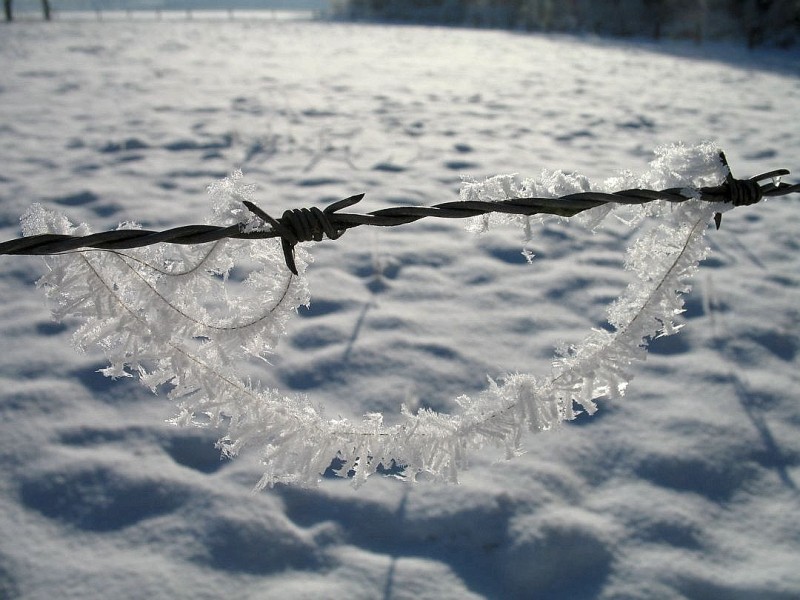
(686, 488)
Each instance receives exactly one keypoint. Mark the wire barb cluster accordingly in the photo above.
(313, 224)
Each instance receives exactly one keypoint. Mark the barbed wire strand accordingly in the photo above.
(313, 224)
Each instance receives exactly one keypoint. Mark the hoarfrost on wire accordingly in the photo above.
(170, 315)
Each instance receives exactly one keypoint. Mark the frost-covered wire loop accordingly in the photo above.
(164, 313)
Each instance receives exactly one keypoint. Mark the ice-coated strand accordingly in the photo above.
(169, 316)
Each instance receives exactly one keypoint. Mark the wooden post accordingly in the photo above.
(7, 7)
(46, 9)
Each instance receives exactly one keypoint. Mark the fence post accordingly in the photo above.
(7, 7)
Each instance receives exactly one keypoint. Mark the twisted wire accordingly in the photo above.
(313, 224)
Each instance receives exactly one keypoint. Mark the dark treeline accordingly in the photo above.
(9, 13)
(756, 21)
(48, 6)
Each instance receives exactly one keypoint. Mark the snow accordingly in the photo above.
(685, 488)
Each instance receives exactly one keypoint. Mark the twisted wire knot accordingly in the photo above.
(304, 225)
(308, 225)
(744, 192)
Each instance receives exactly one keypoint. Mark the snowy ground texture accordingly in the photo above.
(686, 488)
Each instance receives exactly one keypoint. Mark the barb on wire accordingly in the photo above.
(313, 224)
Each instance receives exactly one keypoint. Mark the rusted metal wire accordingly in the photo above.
(313, 224)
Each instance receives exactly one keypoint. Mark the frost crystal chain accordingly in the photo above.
(171, 314)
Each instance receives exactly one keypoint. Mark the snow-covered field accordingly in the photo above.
(686, 488)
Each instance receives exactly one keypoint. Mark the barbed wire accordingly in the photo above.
(314, 224)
